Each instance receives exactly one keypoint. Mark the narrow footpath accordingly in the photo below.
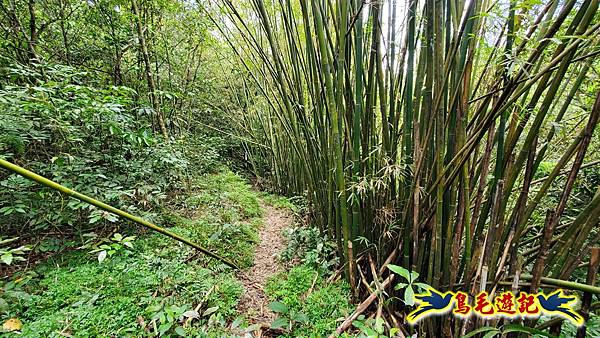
(254, 302)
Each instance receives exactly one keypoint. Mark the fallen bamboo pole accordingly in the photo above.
(566, 284)
(362, 307)
(548, 282)
(51, 184)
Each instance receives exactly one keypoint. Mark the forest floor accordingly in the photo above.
(254, 302)
(157, 287)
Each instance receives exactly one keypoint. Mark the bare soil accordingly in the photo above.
(254, 302)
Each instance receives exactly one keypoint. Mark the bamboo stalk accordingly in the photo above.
(362, 307)
(436, 134)
(565, 284)
(84, 198)
(586, 301)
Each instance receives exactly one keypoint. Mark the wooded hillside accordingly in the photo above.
(419, 144)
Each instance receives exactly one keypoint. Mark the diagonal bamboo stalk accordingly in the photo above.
(456, 116)
(84, 198)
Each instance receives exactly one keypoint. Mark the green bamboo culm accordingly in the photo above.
(84, 198)
(423, 150)
(566, 284)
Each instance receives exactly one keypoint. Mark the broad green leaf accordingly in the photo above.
(301, 318)
(180, 331)
(111, 218)
(400, 286)
(154, 308)
(370, 332)
(253, 327)
(191, 314)
(210, 311)
(422, 286)
(236, 322)
(413, 276)
(102, 256)
(359, 325)
(399, 271)
(409, 296)
(379, 325)
(278, 307)
(280, 323)
(7, 258)
(163, 328)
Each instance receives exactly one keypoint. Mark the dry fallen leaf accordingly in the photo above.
(12, 324)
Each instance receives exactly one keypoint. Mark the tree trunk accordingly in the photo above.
(33, 33)
(149, 77)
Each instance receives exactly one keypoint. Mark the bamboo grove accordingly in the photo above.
(416, 129)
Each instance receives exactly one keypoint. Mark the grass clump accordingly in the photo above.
(225, 195)
(303, 291)
(88, 299)
(279, 202)
(223, 214)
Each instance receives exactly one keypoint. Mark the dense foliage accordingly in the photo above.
(153, 286)
(76, 108)
(457, 139)
(95, 140)
(308, 308)
(80, 105)
(452, 143)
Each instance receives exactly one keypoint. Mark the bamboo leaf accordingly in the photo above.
(482, 330)
(524, 329)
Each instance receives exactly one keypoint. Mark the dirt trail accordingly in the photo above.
(254, 302)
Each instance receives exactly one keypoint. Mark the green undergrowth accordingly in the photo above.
(223, 215)
(305, 303)
(152, 288)
(279, 202)
(313, 306)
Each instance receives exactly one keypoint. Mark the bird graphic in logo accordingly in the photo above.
(432, 302)
(557, 303)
